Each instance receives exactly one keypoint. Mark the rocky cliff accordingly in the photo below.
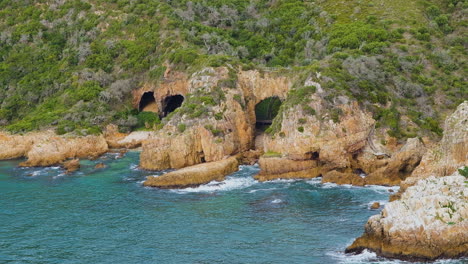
(430, 218)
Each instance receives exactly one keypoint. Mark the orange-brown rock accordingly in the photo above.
(51, 150)
(100, 166)
(400, 165)
(450, 153)
(194, 175)
(172, 148)
(284, 168)
(251, 157)
(375, 206)
(17, 146)
(115, 139)
(343, 178)
(71, 165)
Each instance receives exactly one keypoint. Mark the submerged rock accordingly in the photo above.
(71, 165)
(100, 166)
(375, 206)
(194, 175)
(429, 221)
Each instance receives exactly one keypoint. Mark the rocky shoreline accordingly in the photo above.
(343, 149)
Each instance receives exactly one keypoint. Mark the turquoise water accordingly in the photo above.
(106, 216)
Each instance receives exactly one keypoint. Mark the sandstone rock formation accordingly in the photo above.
(451, 152)
(46, 148)
(203, 139)
(100, 166)
(71, 165)
(194, 175)
(428, 222)
(115, 139)
(282, 168)
(399, 166)
(343, 178)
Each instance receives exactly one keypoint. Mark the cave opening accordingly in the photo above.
(171, 103)
(148, 103)
(266, 111)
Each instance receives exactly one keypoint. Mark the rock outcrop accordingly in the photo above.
(115, 139)
(428, 222)
(451, 152)
(343, 178)
(194, 175)
(71, 165)
(399, 166)
(46, 148)
(283, 168)
(186, 141)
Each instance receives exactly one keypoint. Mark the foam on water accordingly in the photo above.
(276, 201)
(230, 183)
(364, 257)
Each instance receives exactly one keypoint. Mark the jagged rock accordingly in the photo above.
(171, 148)
(343, 178)
(375, 206)
(100, 166)
(400, 165)
(48, 149)
(251, 157)
(450, 154)
(428, 222)
(194, 175)
(71, 165)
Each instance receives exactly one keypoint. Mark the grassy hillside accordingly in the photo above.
(73, 64)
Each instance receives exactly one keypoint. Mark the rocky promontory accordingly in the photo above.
(428, 222)
(428, 219)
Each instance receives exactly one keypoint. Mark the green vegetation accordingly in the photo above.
(272, 154)
(72, 65)
(464, 171)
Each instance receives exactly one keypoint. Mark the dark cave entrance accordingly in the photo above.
(266, 111)
(148, 103)
(171, 103)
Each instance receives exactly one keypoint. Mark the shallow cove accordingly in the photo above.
(106, 216)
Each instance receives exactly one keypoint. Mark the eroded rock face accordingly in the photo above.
(428, 222)
(323, 144)
(452, 151)
(194, 175)
(400, 165)
(46, 148)
(343, 178)
(283, 168)
(202, 139)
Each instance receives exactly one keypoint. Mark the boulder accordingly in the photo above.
(375, 206)
(194, 175)
(343, 178)
(71, 165)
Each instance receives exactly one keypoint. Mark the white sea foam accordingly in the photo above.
(231, 183)
(259, 190)
(134, 167)
(36, 173)
(365, 257)
(276, 201)
(382, 189)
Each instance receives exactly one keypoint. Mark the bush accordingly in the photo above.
(300, 129)
(181, 127)
(147, 119)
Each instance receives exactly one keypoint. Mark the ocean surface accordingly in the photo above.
(107, 216)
